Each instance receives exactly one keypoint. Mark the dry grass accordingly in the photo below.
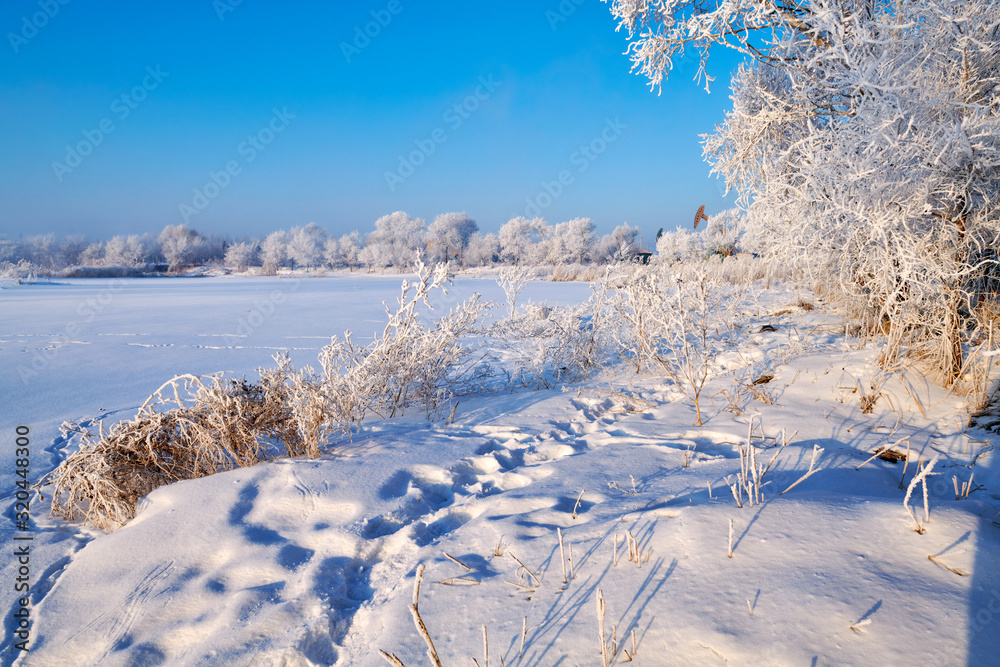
(190, 427)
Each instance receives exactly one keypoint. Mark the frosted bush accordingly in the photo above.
(547, 345)
(409, 364)
(665, 320)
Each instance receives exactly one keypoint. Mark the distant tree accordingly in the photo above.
(349, 247)
(126, 251)
(621, 244)
(571, 241)
(331, 252)
(520, 239)
(41, 250)
(92, 255)
(305, 246)
(395, 242)
(70, 249)
(241, 255)
(179, 245)
(448, 236)
(482, 250)
(274, 251)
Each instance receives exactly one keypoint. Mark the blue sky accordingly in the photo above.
(244, 118)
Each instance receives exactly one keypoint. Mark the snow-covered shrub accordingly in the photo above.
(513, 280)
(577, 273)
(565, 346)
(102, 272)
(722, 233)
(22, 271)
(196, 426)
(547, 345)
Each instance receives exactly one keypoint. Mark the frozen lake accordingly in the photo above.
(72, 348)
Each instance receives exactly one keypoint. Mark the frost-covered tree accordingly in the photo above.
(571, 241)
(349, 247)
(448, 236)
(274, 251)
(129, 251)
(305, 245)
(523, 240)
(70, 249)
(482, 250)
(864, 141)
(722, 232)
(680, 245)
(331, 252)
(92, 255)
(396, 241)
(620, 245)
(241, 255)
(179, 245)
(40, 250)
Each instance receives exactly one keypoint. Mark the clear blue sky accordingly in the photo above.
(197, 86)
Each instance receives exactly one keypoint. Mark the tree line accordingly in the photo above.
(395, 243)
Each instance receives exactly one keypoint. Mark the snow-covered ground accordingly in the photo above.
(313, 562)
